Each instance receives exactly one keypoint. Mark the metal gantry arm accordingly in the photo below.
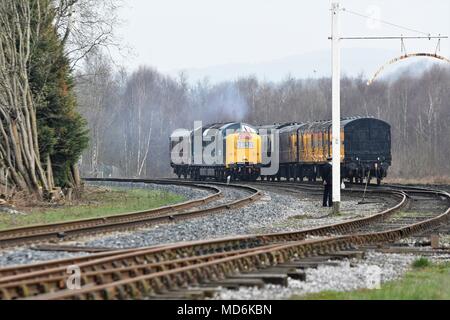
(403, 57)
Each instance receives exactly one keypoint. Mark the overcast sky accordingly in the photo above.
(186, 34)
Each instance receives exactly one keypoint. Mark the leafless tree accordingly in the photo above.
(19, 151)
(98, 96)
(86, 25)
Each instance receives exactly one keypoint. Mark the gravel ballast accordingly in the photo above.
(347, 276)
(274, 212)
(29, 256)
(272, 209)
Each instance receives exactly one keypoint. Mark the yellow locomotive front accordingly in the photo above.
(243, 155)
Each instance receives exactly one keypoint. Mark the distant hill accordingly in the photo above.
(310, 65)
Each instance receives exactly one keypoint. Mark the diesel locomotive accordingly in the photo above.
(238, 150)
(217, 151)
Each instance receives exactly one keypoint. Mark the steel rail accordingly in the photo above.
(376, 236)
(122, 222)
(161, 282)
(21, 289)
(12, 271)
(193, 249)
(221, 244)
(16, 270)
(339, 227)
(70, 225)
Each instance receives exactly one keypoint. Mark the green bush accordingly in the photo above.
(421, 263)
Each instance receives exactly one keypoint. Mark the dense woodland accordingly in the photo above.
(131, 116)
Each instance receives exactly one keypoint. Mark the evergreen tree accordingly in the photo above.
(62, 132)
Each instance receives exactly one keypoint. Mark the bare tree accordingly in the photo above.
(86, 25)
(19, 151)
(98, 96)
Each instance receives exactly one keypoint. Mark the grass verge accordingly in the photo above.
(96, 202)
(426, 281)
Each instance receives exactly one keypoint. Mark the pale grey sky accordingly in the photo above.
(185, 34)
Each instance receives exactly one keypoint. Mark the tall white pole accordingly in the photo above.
(336, 107)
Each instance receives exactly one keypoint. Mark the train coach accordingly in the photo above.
(304, 148)
(217, 152)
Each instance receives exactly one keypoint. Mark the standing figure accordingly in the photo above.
(327, 175)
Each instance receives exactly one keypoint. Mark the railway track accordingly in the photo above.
(128, 221)
(153, 271)
(347, 226)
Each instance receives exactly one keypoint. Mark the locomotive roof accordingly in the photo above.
(306, 126)
(278, 126)
(323, 125)
(317, 125)
(225, 125)
(291, 127)
(219, 125)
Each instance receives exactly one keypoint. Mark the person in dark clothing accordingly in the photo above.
(327, 175)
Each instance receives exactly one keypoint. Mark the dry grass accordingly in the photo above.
(95, 202)
(425, 282)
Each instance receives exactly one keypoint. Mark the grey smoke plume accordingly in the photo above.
(221, 103)
(230, 103)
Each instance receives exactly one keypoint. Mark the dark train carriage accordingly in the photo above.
(367, 144)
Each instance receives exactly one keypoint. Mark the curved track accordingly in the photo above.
(127, 221)
(151, 271)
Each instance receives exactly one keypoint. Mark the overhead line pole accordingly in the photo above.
(336, 94)
(336, 106)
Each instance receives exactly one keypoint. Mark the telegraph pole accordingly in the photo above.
(336, 104)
